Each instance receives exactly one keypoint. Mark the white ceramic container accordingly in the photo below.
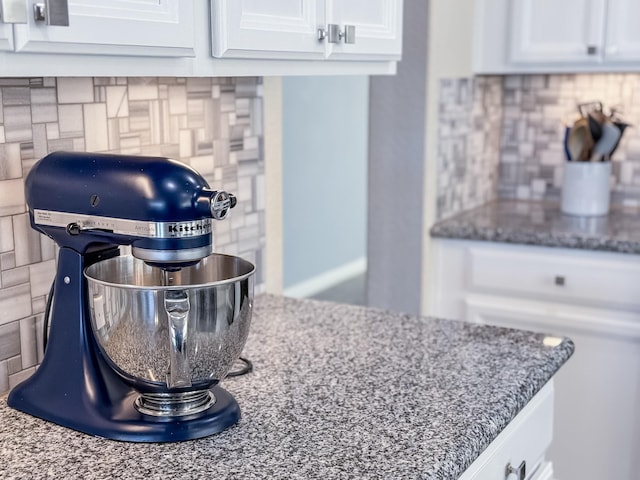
(586, 188)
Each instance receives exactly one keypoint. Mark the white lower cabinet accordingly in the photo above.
(591, 297)
(521, 445)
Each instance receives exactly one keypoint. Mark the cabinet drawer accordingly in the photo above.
(564, 275)
(525, 439)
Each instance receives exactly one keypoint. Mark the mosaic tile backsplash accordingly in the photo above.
(535, 107)
(469, 128)
(215, 125)
(529, 113)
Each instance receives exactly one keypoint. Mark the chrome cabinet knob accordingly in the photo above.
(520, 472)
(333, 34)
(349, 34)
(52, 12)
(559, 280)
(592, 49)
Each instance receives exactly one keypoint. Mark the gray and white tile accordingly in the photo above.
(9, 340)
(174, 117)
(75, 90)
(518, 122)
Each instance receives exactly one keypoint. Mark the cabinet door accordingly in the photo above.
(597, 420)
(552, 31)
(6, 36)
(623, 34)
(114, 27)
(378, 29)
(285, 29)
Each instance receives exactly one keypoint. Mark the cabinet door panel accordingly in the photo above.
(378, 28)
(623, 34)
(6, 36)
(597, 421)
(115, 27)
(549, 31)
(276, 29)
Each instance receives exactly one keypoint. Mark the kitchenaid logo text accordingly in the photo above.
(187, 229)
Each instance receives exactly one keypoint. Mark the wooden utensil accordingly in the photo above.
(580, 142)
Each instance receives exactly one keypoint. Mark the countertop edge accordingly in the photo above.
(542, 224)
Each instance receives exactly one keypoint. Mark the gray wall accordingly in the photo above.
(325, 130)
(396, 172)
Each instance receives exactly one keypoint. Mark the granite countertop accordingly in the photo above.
(337, 392)
(540, 223)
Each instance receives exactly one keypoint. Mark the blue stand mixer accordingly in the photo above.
(138, 343)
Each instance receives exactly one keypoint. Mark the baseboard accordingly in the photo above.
(327, 279)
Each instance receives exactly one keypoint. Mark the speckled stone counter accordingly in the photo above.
(337, 392)
(543, 224)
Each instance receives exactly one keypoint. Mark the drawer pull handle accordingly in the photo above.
(559, 280)
(520, 472)
(333, 34)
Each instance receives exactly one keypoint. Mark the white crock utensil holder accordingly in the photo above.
(586, 188)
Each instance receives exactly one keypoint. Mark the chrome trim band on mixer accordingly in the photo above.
(135, 228)
(171, 256)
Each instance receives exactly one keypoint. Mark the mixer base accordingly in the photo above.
(129, 424)
(122, 421)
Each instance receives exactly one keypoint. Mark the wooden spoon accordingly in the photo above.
(580, 142)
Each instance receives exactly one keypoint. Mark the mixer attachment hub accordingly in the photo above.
(174, 404)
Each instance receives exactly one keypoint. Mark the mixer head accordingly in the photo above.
(161, 207)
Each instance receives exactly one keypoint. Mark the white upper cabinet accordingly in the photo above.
(544, 36)
(259, 29)
(307, 29)
(377, 31)
(557, 31)
(199, 38)
(111, 27)
(623, 32)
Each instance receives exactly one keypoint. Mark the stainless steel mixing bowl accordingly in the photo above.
(171, 332)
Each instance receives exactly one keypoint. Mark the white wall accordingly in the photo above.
(324, 176)
(450, 56)
(272, 95)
